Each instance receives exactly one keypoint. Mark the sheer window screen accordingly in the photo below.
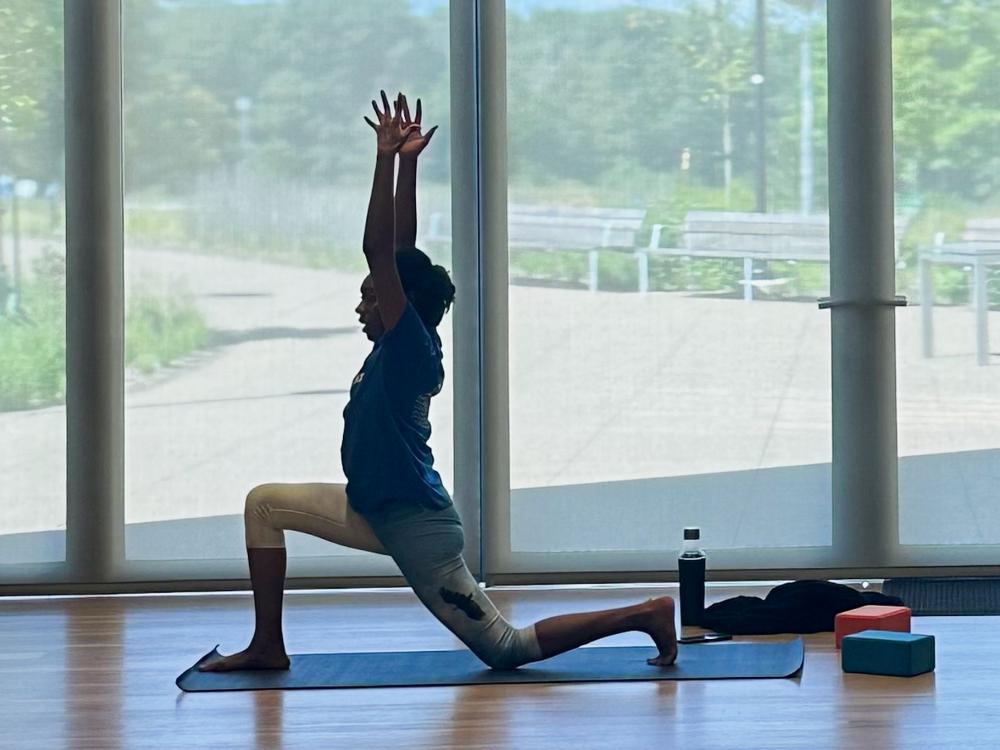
(634, 414)
(246, 179)
(621, 485)
(32, 285)
(946, 103)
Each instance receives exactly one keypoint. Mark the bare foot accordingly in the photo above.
(274, 658)
(659, 616)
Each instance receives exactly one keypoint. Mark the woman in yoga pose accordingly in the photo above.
(394, 502)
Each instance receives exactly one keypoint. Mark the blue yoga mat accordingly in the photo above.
(708, 661)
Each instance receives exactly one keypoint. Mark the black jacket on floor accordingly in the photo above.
(796, 607)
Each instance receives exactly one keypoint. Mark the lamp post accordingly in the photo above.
(6, 185)
(15, 227)
(758, 79)
(4, 284)
(805, 127)
(243, 105)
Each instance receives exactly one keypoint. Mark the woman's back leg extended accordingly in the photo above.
(428, 545)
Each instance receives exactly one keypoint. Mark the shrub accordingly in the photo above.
(159, 330)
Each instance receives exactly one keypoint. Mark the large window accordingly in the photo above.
(645, 353)
(681, 374)
(247, 174)
(947, 139)
(32, 284)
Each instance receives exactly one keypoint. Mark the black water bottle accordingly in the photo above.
(691, 571)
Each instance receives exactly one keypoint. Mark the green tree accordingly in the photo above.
(277, 88)
(174, 126)
(31, 83)
(322, 65)
(946, 117)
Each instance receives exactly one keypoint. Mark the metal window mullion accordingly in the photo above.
(492, 141)
(865, 483)
(94, 290)
(465, 262)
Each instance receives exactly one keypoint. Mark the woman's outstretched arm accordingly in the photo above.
(406, 180)
(379, 249)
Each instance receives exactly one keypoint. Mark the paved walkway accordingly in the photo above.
(605, 388)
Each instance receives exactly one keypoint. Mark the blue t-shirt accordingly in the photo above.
(384, 452)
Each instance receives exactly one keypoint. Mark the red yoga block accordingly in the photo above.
(872, 617)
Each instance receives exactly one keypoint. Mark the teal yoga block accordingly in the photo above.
(887, 652)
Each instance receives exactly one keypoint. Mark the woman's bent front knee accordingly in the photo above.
(258, 506)
(256, 517)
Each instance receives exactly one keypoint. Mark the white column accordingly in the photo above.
(862, 282)
(492, 77)
(466, 258)
(94, 291)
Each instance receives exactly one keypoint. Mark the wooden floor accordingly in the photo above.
(81, 673)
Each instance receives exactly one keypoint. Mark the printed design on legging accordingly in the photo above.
(464, 602)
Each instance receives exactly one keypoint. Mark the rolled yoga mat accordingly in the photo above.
(706, 661)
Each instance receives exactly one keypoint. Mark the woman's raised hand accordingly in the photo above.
(417, 141)
(391, 131)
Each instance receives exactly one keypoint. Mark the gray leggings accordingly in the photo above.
(425, 544)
